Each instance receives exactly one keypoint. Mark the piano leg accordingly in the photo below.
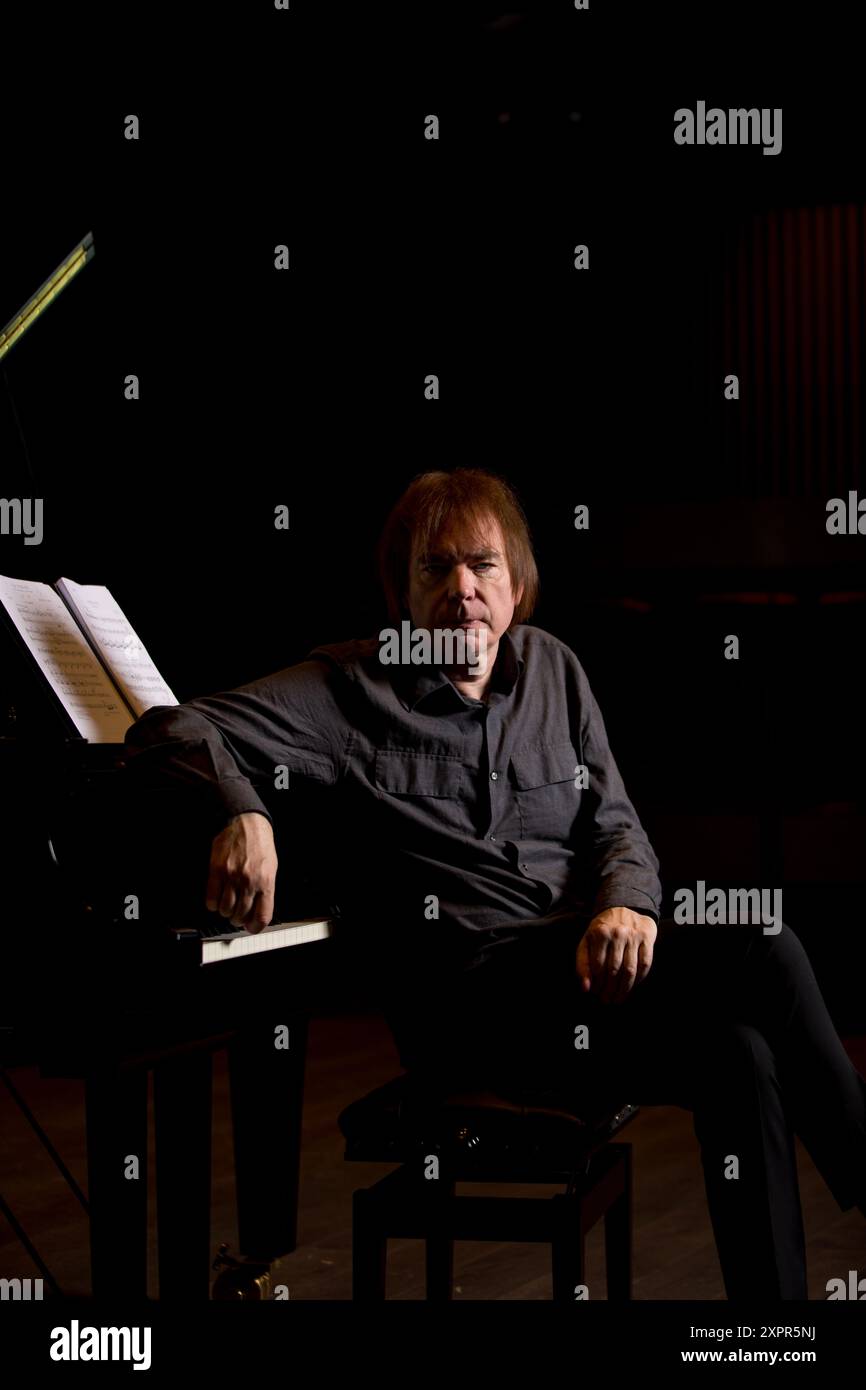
(267, 1092)
(116, 1121)
(182, 1098)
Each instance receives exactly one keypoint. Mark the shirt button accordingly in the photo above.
(493, 776)
(491, 837)
(523, 867)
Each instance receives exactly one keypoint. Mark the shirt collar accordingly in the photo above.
(418, 684)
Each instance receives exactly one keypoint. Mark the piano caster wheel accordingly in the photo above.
(241, 1279)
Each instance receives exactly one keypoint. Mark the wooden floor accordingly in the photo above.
(348, 1055)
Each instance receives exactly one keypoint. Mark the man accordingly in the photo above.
(502, 891)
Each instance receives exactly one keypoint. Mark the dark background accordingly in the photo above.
(707, 517)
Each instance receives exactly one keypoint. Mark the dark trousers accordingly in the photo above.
(730, 1024)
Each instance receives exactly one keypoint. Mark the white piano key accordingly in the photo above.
(278, 935)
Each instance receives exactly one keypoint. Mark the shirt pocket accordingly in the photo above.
(427, 789)
(310, 766)
(543, 776)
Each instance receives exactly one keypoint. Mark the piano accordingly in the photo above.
(89, 995)
(85, 994)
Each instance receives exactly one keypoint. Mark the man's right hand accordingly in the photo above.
(243, 872)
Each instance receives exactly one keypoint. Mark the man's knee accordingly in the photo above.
(784, 952)
(737, 1050)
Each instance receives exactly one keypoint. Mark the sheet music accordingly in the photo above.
(118, 645)
(66, 660)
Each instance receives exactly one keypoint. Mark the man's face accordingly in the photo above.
(460, 583)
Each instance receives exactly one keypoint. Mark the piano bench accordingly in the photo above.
(442, 1137)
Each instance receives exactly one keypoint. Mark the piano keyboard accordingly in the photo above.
(231, 945)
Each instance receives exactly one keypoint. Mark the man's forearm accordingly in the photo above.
(174, 748)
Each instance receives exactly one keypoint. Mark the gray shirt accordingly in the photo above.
(444, 816)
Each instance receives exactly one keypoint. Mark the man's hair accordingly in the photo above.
(463, 501)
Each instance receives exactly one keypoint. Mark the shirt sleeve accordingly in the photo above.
(238, 750)
(623, 865)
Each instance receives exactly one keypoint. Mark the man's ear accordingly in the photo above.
(519, 595)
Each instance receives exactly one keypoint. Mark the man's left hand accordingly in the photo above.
(615, 953)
